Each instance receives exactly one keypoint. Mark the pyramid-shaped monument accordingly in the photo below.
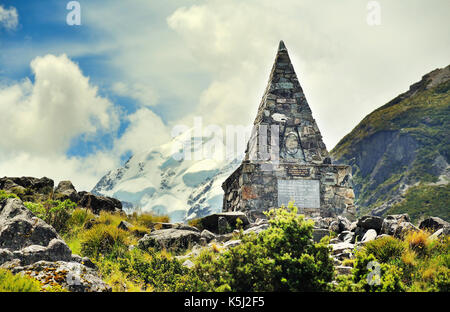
(286, 159)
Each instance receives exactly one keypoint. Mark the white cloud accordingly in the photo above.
(43, 117)
(40, 119)
(145, 94)
(146, 130)
(9, 18)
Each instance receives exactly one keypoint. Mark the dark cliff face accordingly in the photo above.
(401, 145)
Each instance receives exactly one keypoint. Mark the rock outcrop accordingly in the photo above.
(41, 189)
(31, 246)
(387, 150)
(98, 203)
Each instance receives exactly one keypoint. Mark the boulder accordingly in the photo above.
(207, 235)
(342, 247)
(370, 222)
(257, 229)
(433, 224)
(211, 222)
(232, 243)
(39, 185)
(66, 190)
(180, 226)
(124, 225)
(391, 222)
(19, 228)
(322, 222)
(31, 246)
(346, 236)
(174, 239)
(318, 234)
(369, 236)
(343, 224)
(334, 227)
(72, 276)
(98, 203)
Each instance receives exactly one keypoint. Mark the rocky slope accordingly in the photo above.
(401, 149)
(30, 246)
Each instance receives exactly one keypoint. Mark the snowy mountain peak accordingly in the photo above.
(181, 178)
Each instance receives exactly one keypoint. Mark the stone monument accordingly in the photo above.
(286, 159)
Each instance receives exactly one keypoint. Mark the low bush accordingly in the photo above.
(10, 282)
(54, 212)
(386, 249)
(282, 258)
(5, 195)
(106, 240)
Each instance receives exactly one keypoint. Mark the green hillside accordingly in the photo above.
(406, 142)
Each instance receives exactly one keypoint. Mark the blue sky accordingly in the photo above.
(134, 69)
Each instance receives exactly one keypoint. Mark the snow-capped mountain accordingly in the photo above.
(164, 182)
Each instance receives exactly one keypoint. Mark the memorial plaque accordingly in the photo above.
(298, 172)
(304, 193)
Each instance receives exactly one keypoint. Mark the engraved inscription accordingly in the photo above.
(298, 172)
(304, 193)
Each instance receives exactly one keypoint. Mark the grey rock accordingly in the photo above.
(29, 245)
(19, 228)
(370, 222)
(39, 185)
(346, 236)
(66, 190)
(369, 236)
(124, 225)
(207, 235)
(391, 222)
(73, 276)
(342, 247)
(257, 229)
(344, 224)
(232, 243)
(334, 227)
(169, 239)
(335, 241)
(433, 224)
(98, 203)
(211, 222)
(318, 234)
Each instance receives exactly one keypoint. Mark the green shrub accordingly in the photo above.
(147, 219)
(10, 282)
(106, 240)
(363, 279)
(53, 212)
(5, 195)
(386, 249)
(282, 258)
(79, 217)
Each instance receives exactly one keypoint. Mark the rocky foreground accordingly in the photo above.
(30, 246)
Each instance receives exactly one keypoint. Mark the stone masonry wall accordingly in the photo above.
(252, 190)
